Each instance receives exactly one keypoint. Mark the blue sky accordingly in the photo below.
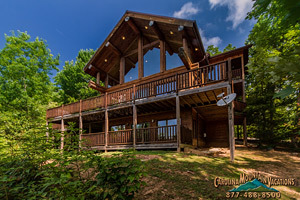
(71, 25)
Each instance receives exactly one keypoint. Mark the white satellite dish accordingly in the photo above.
(225, 100)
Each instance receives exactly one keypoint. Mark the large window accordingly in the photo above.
(117, 128)
(142, 125)
(168, 122)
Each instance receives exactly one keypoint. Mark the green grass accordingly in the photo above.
(173, 175)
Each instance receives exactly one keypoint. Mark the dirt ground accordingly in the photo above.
(173, 175)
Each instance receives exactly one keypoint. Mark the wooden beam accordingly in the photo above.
(186, 102)
(245, 133)
(178, 122)
(106, 123)
(162, 56)
(96, 86)
(140, 57)
(186, 47)
(129, 61)
(230, 73)
(215, 95)
(147, 46)
(80, 122)
(62, 128)
(160, 35)
(114, 48)
(207, 97)
(98, 78)
(106, 81)
(122, 70)
(132, 25)
(200, 98)
(231, 126)
(193, 100)
(184, 58)
(134, 110)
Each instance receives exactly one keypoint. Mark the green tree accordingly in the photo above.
(212, 50)
(26, 89)
(73, 81)
(229, 47)
(274, 68)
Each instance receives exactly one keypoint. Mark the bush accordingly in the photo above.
(36, 170)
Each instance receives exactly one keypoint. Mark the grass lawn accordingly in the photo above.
(173, 175)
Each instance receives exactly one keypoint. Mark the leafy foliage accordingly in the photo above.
(39, 171)
(72, 80)
(274, 70)
(212, 50)
(25, 84)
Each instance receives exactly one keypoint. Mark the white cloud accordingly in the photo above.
(238, 9)
(216, 41)
(187, 10)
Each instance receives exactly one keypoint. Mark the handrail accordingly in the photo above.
(196, 77)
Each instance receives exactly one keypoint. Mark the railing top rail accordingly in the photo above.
(120, 131)
(156, 127)
(87, 134)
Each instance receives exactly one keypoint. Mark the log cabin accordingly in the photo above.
(165, 110)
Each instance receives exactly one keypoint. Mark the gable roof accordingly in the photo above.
(123, 40)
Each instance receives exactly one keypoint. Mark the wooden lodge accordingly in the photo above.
(164, 110)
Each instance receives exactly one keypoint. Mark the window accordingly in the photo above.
(142, 125)
(117, 128)
(168, 122)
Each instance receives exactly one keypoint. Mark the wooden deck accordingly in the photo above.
(159, 85)
(154, 137)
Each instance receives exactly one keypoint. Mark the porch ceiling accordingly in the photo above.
(123, 40)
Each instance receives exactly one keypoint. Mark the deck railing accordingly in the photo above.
(180, 81)
(163, 134)
(120, 137)
(153, 135)
(93, 139)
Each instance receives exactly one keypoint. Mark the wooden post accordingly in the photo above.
(231, 126)
(140, 57)
(162, 56)
(80, 122)
(186, 47)
(178, 122)
(90, 127)
(62, 128)
(230, 74)
(98, 78)
(106, 81)
(122, 70)
(47, 128)
(244, 100)
(106, 123)
(134, 124)
(245, 131)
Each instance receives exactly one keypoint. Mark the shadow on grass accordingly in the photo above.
(186, 176)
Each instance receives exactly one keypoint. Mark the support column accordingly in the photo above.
(47, 128)
(106, 123)
(178, 123)
(98, 78)
(62, 128)
(106, 81)
(90, 127)
(162, 56)
(134, 125)
(231, 126)
(186, 47)
(244, 100)
(230, 75)
(122, 70)
(80, 123)
(140, 57)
